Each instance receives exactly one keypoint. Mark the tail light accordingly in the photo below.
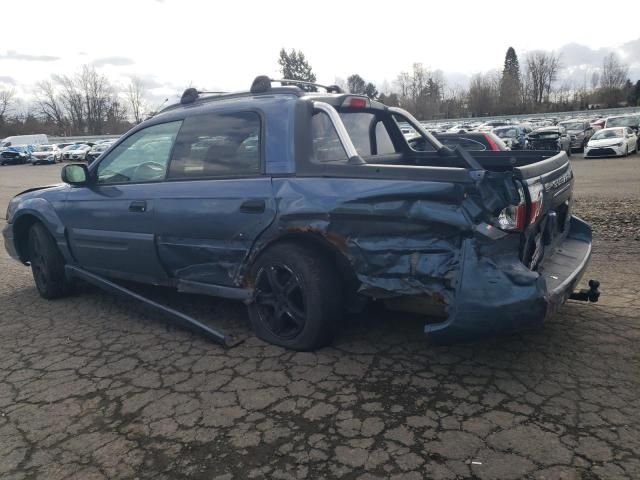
(356, 102)
(514, 217)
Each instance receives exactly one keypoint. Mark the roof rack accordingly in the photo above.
(190, 95)
(262, 84)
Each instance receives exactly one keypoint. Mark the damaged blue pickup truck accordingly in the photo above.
(304, 204)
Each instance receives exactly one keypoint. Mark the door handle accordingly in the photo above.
(252, 206)
(138, 206)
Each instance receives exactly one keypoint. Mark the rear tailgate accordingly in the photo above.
(548, 188)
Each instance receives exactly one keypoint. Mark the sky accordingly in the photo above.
(173, 44)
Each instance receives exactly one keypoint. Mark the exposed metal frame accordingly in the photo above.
(341, 130)
(418, 127)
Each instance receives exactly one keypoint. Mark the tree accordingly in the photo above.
(391, 99)
(510, 83)
(612, 79)
(371, 91)
(484, 93)
(136, 99)
(614, 72)
(294, 66)
(356, 84)
(50, 105)
(542, 69)
(6, 100)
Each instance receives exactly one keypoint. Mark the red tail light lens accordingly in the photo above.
(356, 102)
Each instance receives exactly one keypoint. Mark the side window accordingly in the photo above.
(327, 146)
(217, 145)
(383, 140)
(142, 157)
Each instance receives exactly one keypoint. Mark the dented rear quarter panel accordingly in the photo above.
(400, 237)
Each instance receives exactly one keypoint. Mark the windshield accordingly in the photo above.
(506, 132)
(604, 134)
(44, 148)
(573, 125)
(631, 121)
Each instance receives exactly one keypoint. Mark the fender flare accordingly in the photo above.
(39, 209)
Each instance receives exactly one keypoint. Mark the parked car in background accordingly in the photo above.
(43, 154)
(471, 141)
(20, 140)
(580, 131)
(97, 150)
(550, 138)
(490, 125)
(62, 146)
(610, 142)
(631, 121)
(18, 155)
(77, 151)
(514, 136)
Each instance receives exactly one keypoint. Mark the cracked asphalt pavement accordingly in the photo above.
(95, 387)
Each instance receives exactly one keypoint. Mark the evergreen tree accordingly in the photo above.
(510, 83)
(294, 66)
(371, 91)
(356, 84)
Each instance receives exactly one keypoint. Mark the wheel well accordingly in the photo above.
(21, 229)
(324, 247)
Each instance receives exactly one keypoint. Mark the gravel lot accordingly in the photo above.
(94, 387)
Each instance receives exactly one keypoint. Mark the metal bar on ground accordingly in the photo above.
(178, 317)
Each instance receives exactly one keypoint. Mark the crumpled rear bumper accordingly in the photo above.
(497, 294)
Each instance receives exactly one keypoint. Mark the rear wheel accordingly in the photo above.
(298, 297)
(47, 264)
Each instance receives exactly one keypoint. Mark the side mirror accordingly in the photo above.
(75, 174)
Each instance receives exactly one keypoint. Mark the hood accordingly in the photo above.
(54, 187)
(605, 142)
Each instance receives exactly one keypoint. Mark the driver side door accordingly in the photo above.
(110, 222)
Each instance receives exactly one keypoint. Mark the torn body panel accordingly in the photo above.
(401, 238)
(419, 246)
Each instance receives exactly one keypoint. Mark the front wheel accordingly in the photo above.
(47, 264)
(298, 297)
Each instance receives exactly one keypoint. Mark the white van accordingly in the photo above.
(17, 140)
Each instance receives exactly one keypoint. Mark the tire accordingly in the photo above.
(298, 297)
(47, 264)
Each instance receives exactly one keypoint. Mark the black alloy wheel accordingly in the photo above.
(298, 297)
(280, 300)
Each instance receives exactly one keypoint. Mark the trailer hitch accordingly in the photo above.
(179, 318)
(592, 294)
